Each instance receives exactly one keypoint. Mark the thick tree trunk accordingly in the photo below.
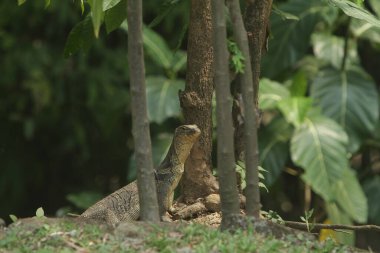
(196, 103)
(226, 161)
(140, 123)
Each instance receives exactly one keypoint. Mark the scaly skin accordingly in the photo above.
(123, 204)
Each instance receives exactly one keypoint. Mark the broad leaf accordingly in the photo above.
(270, 93)
(353, 10)
(351, 99)
(162, 97)
(97, 15)
(338, 216)
(331, 49)
(274, 148)
(295, 109)
(108, 4)
(80, 37)
(372, 190)
(319, 147)
(20, 2)
(364, 30)
(115, 16)
(179, 61)
(375, 4)
(155, 46)
(298, 87)
(350, 196)
(290, 38)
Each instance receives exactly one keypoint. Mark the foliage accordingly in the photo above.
(326, 101)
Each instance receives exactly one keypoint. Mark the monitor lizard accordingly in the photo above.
(123, 204)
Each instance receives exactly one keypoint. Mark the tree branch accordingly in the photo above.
(316, 227)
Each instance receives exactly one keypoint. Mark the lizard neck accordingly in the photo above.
(180, 150)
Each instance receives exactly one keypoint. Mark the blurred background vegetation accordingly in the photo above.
(65, 122)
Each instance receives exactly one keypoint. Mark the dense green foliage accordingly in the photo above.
(66, 123)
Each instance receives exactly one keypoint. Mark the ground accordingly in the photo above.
(41, 234)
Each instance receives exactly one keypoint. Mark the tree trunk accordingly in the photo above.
(252, 191)
(140, 123)
(196, 99)
(226, 161)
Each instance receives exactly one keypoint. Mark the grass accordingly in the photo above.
(70, 236)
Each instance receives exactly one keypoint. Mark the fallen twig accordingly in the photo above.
(315, 227)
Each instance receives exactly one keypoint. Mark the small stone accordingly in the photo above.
(212, 202)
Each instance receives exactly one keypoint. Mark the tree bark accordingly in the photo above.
(226, 160)
(196, 102)
(140, 123)
(252, 191)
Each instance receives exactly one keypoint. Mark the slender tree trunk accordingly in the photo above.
(226, 160)
(256, 21)
(252, 191)
(196, 102)
(140, 123)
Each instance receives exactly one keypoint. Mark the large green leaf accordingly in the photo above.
(319, 147)
(80, 37)
(295, 109)
(372, 190)
(375, 4)
(338, 216)
(96, 14)
(350, 196)
(115, 16)
(108, 4)
(155, 47)
(274, 148)
(353, 10)
(331, 49)
(270, 93)
(162, 96)
(351, 99)
(290, 38)
(364, 30)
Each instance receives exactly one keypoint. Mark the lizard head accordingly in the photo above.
(184, 138)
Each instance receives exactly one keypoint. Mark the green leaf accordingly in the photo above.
(274, 148)
(319, 147)
(295, 109)
(165, 8)
(80, 37)
(338, 216)
(331, 49)
(108, 4)
(353, 10)
(298, 86)
(351, 99)
(13, 217)
(84, 199)
(270, 93)
(291, 38)
(96, 15)
(372, 190)
(179, 61)
(47, 3)
(40, 212)
(364, 30)
(162, 95)
(350, 196)
(283, 14)
(20, 2)
(115, 16)
(375, 4)
(155, 46)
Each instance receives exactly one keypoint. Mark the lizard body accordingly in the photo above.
(123, 204)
